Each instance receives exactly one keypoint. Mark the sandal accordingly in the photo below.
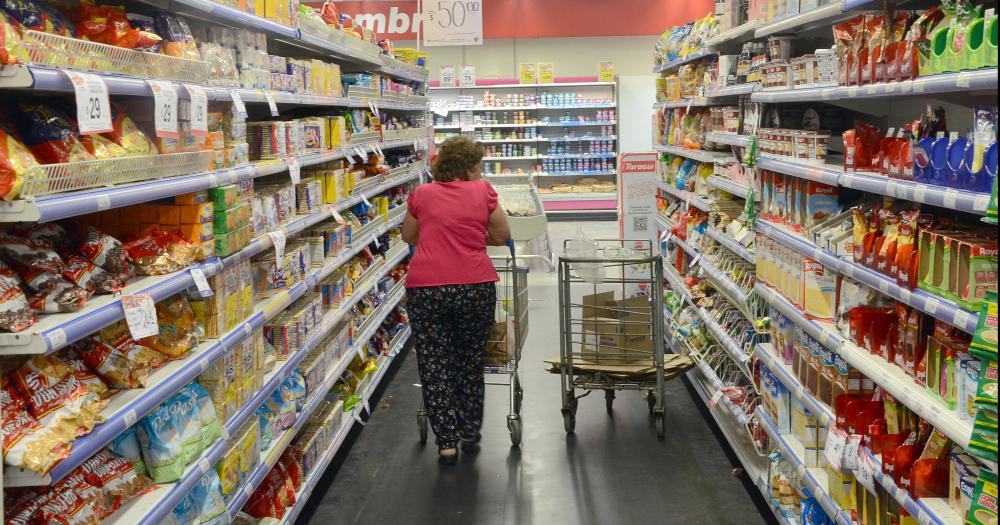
(471, 445)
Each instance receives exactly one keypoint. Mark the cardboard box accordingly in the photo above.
(616, 331)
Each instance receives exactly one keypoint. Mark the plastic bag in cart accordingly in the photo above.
(582, 247)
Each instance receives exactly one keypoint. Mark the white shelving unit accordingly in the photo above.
(964, 88)
(163, 176)
(546, 127)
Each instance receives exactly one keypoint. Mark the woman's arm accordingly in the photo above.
(411, 231)
(497, 229)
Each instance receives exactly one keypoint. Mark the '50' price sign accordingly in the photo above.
(453, 22)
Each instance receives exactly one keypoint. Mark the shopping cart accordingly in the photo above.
(525, 215)
(612, 338)
(503, 351)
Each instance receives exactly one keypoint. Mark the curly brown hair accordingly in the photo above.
(456, 157)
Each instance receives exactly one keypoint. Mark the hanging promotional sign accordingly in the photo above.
(546, 72)
(605, 71)
(528, 74)
(452, 23)
(467, 77)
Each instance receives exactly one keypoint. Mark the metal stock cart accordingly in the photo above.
(506, 340)
(607, 343)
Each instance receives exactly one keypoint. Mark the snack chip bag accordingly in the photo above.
(88, 276)
(106, 252)
(206, 496)
(101, 505)
(10, 40)
(115, 476)
(15, 314)
(26, 445)
(24, 255)
(49, 133)
(210, 429)
(161, 253)
(128, 135)
(127, 446)
(184, 513)
(15, 159)
(177, 38)
(26, 13)
(67, 508)
(169, 437)
(179, 331)
(126, 366)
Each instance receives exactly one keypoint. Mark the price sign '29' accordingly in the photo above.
(453, 22)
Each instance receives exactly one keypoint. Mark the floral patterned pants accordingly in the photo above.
(452, 324)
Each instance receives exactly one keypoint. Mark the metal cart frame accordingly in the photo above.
(526, 229)
(638, 266)
(512, 308)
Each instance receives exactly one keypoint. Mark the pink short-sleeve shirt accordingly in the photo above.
(452, 218)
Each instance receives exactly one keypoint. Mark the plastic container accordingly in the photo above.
(939, 162)
(975, 45)
(958, 172)
(922, 169)
(940, 44)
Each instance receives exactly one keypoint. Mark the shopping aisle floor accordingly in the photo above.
(612, 470)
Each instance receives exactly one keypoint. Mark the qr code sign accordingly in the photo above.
(640, 224)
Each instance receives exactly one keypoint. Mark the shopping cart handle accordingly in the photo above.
(510, 244)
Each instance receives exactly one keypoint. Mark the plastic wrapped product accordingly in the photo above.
(15, 313)
(89, 277)
(116, 476)
(67, 508)
(127, 446)
(161, 253)
(169, 437)
(10, 40)
(150, 41)
(94, 497)
(184, 513)
(27, 445)
(106, 252)
(209, 423)
(128, 135)
(26, 13)
(124, 367)
(15, 160)
(22, 254)
(49, 133)
(179, 331)
(206, 496)
(177, 38)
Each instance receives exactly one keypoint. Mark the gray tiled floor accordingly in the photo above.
(613, 470)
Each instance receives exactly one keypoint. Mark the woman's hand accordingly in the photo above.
(497, 229)
(411, 230)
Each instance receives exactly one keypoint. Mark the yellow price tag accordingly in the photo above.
(606, 72)
(546, 73)
(528, 74)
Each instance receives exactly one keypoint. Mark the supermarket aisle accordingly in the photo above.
(613, 470)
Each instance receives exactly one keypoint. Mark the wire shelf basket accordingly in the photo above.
(76, 176)
(363, 94)
(44, 49)
(398, 98)
(361, 47)
(319, 29)
(422, 100)
(365, 138)
(390, 64)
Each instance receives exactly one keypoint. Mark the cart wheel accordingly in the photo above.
(609, 399)
(518, 397)
(422, 425)
(514, 426)
(569, 420)
(651, 400)
(660, 424)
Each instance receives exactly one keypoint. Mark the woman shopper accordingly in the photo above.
(451, 290)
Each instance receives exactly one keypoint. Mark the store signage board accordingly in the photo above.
(546, 73)
(447, 76)
(467, 75)
(452, 22)
(605, 71)
(637, 201)
(528, 74)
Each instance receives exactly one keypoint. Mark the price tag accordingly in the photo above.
(278, 238)
(871, 89)
(164, 108)
(665, 236)
(364, 199)
(271, 104)
(715, 398)
(130, 418)
(198, 276)
(836, 441)
(238, 105)
(294, 169)
(851, 451)
(371, 146)
(962, 80)
(360, 153)
(93, 107)
(378, 150)
(690, 101)
(918, 85)
(347, 155)
(467, 128)
(865, 473)
(696, 260)
(199, 110)
(140, 315)
(337, 216)
(375, 240)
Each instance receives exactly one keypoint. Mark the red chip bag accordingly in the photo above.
(161, 253)
(126, 367)
(88, 276)
(106, 252)
(23, 255)
(67, 508)
(29, 445)
(39, 373)
(62, 296)
(115, 476)
(91, 495)
(15, 313)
